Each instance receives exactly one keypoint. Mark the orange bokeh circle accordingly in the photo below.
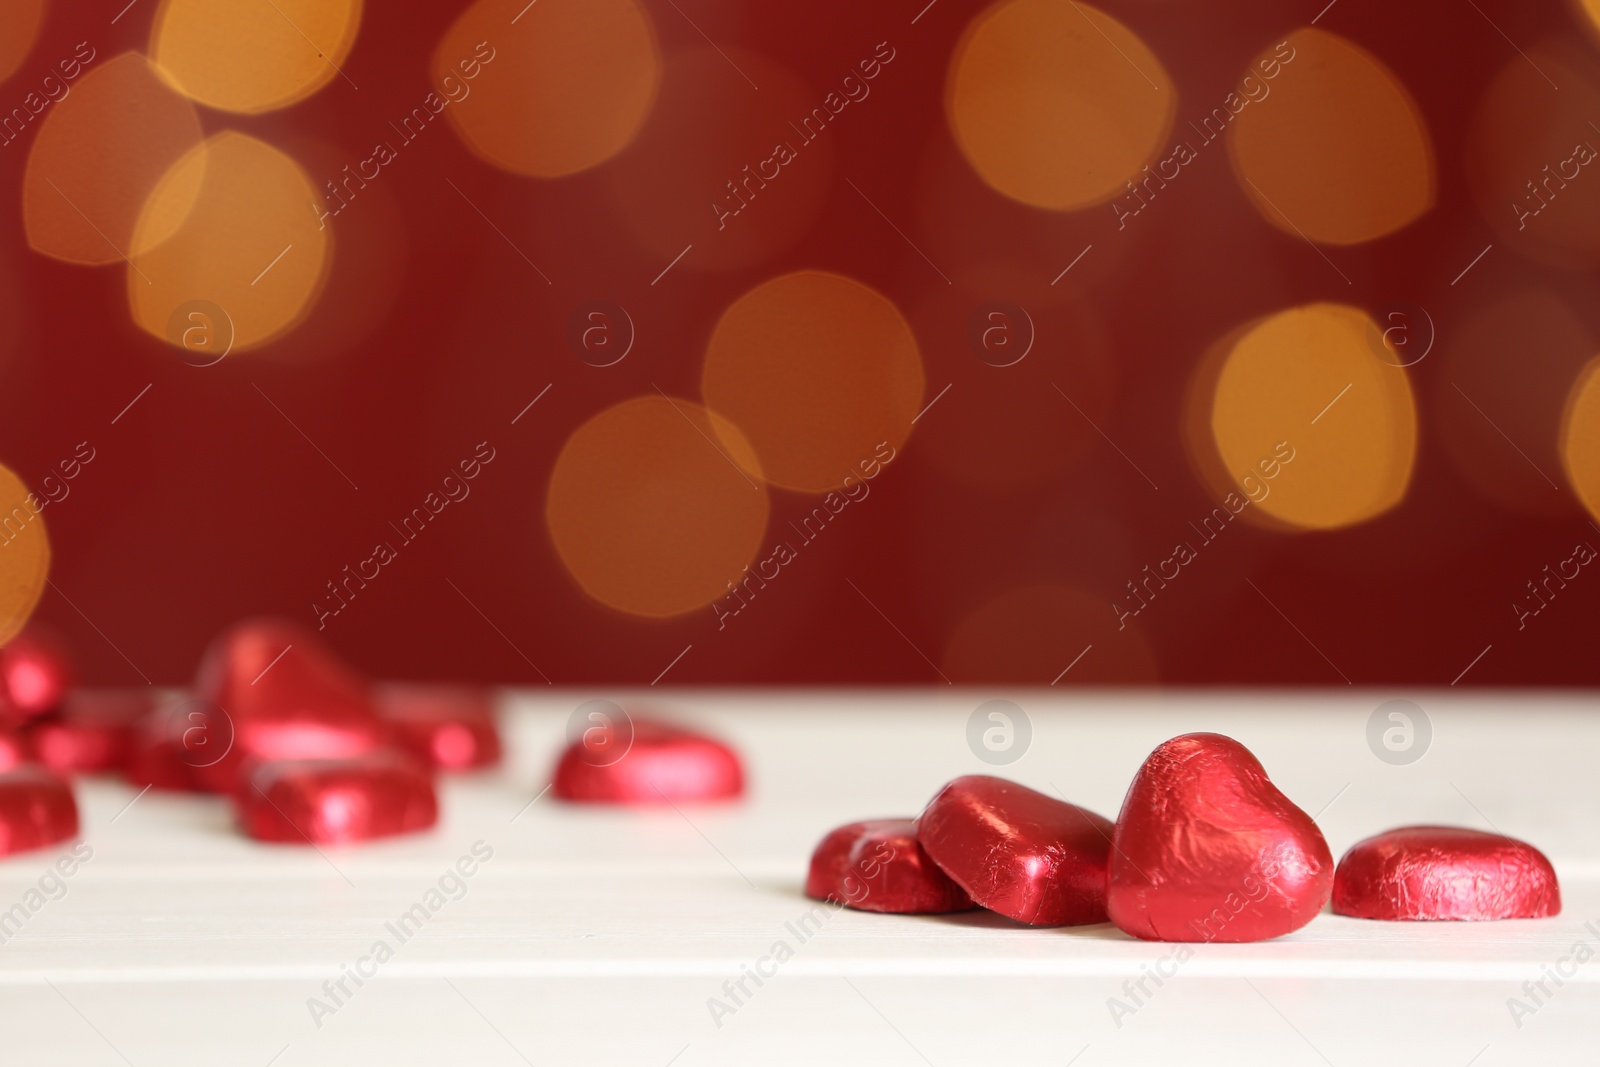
(246, 250)
(96, 158)
(650, 508)
(818, 371)
(250, 57)
(1057, 104)
(1580, 438)
(1338, 151)
(19, 28)
(25, 558)
(560, 86)
(1302, 423)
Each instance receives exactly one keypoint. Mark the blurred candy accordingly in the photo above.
(1444, 872)
(1021, 853)
(332, 801)
(157, 755)
(878, 865)
(36, 809)
(451, 728)
(16, 748)
(93, 731)
(663, 764)
(272, 690)
(1207, 849)
(34, 676)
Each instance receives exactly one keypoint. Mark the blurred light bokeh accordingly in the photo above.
(253, 57)
(1038, 342)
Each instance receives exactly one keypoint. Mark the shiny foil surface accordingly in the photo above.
(1018, 852)
(1207, 849)
(1445, 872)
(36, 809)
(663, 763)
(451, 728)
(92, 732)
(878, 865)
(336, 801)
(34, 677)
(270, 690)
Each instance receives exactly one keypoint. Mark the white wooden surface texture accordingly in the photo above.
(599, 936)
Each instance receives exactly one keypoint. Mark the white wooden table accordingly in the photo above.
(599, 936)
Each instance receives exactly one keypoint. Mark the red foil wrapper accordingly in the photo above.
(648, 762)
(1445, 872)
(16, 748)
(36, 809)
(93, 731)
(271, 690)
(448, 727)
(336, 801)
(1207, 849)
(34, 676)
(1018, 852)
(878, 865)
(158, 754)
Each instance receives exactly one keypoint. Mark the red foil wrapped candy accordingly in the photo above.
(169, 743)
(1207, 849)
(1018, 852)
(336, 801)
(878, 865)
(34, 676)
(644, 761)
(36, 809)
(271, 690)
(93, 731)
(451, 728)
(1445, 872)
(15, 748)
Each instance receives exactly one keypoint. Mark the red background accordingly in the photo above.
(203, 504)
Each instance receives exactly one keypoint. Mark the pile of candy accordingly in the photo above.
(1205, 849)
(308, 751)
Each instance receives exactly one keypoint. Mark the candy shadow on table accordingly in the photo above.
(990, 920)
(977, 918)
